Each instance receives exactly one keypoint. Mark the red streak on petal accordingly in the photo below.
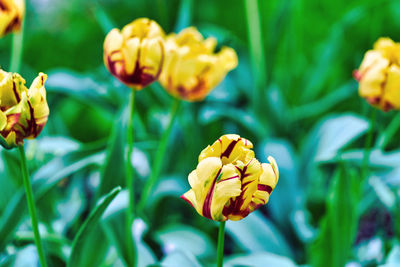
(187, 200)
(208, 199)
(230, 148)
(230, 178)
(264, 187)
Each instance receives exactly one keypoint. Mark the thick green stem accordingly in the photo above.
(389, 132)
(368, 144)
(31, 206)
(17, 48)
(159, 159)
(255, 40)
(130, 179)
(220, 251)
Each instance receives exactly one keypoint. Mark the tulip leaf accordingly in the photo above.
(180, 258)
(112, 171)
(114, 225)
(78, 258)
(331, 135)
(256, 233)
(333, 245)
(185, 238)
(260, 259)
(393, 258)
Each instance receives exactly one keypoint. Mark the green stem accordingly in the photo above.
(159, 159)
(368, 144)
(389, 132)
(130, 178)
(16, 49)
(221, 236)
(257, 51)
(31, 206)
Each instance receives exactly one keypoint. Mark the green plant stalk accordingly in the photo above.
(257, 52)
(31, 206)
(220, 251)
(130, 212)
(368, 144)
(160, 154)
(17, 49)
(389, 132)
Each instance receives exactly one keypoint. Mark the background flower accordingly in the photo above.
(192, 67)
(135, 55)
(12, 12)
(379, 75)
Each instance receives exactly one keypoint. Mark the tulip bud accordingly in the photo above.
(23, 112)
(192, 68)
(12, 13)
(379, 75)
(135, 55)
(229, 182)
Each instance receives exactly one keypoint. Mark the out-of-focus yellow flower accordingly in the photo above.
(12, 13)
(229, 182)
(135, 55)
(23, 111)
(192, 68)
(379, 75)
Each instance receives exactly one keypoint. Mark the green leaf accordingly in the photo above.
(260, 259)
(333, 245)
(256, 233)
(180, 258)
(114, 219)
(185, 238)
(393, 258)
(112, 174)
(78, 258)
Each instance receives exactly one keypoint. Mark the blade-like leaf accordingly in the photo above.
(77, 258)
(338, 228)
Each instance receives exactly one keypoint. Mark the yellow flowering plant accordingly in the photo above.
(135, 55)
(229, 182)
(23, 111)
(379, 75)
(192, 68)
(12, 13)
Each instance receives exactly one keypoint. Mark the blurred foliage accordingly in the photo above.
(311, 120)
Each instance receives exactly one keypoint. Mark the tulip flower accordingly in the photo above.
(135, 55)
(229, 182)
(192, 68)
(12, 13)
(23, 111)
(379, 75)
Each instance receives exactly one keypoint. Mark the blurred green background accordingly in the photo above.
(292, 95)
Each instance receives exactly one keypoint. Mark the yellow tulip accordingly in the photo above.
(12, 13)
(379, 75)
(192, 68)
(23, 111)
(229, 182)
(135, 55)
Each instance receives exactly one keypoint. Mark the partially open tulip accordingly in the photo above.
(12, 13)
(192, 67)
(379, 75)
(229, 182)
(135, 55)
(23, 111)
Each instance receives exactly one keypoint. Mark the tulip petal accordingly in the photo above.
(227, 187)
(391, 96)
(373, 74)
